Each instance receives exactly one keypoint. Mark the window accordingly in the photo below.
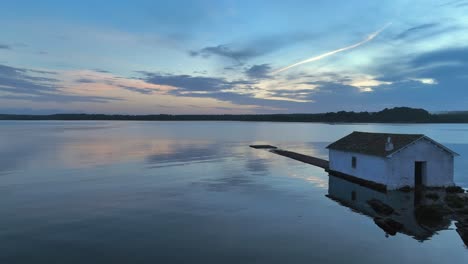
(353, 162)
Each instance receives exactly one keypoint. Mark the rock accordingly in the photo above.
(454, 189)
(430, 216)
(405, 189)
(390, 226)
(380, 207)
(394, 224)
(463, 211)
(432, 196)
(455, 201)
(462, 230)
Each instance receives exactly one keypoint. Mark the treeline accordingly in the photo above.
(393, 115)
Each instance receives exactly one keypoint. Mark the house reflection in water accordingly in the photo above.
(402, 219)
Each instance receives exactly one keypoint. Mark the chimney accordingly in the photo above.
(389, 144)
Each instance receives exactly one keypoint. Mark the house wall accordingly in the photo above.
(398, 171)
(371, 168)
(439, 166)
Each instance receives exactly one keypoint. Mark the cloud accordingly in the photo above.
(69, 86)
(416, 29)
(42, 72)
(449, 67)
(258, 71)
(138, 90)
(303, 92)
(12, 46)
(4, 46)
(188, 82)
(7, 70)
(435, 80)
(84, 80)
(94, 82)
(101, 71)
(281, 93)
(31, 111)
(366, 83)
(242, 52)
(19, 84)
(269, 94)
(425, 80)
(458, 55)
(327, 94)
(228, 52)
(297, 96)
(61, 98)
(241, 92)
(455, 3)
(440, 66)
(426, 34)
(16, 80)
(258, 90)
(462, 4)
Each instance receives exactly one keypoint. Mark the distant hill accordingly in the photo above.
(393, 115)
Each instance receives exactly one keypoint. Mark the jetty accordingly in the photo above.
(321, 163)
(294, 155)
(303, 158)
(263, 147)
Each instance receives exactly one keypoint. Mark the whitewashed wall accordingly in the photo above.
(368, 167)
(439, 166)
(398, 171)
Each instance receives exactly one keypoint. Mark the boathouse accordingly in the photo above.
(392, 160)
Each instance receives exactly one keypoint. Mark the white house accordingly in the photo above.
(393, 160)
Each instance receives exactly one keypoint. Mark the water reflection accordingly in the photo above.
(65, 151)
(393, 211)
(257, 167)
(115, 190)
(317, 180)
(185, 153)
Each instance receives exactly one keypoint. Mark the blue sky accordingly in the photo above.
(218, 57)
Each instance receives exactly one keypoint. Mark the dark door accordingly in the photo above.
(418, 173)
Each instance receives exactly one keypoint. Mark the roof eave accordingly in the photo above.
(430, 140)
(442, 146)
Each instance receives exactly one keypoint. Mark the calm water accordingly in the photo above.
(194, 192)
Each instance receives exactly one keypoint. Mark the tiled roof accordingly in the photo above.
(373, 143)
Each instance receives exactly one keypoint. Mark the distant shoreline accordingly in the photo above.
(394, 115)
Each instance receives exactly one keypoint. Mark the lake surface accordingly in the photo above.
(194, 192)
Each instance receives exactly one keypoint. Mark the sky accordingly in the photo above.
(232, 57)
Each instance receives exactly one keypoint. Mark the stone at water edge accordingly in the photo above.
(380, 207)
(388, 225)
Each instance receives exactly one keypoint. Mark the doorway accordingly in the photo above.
(419, 173)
